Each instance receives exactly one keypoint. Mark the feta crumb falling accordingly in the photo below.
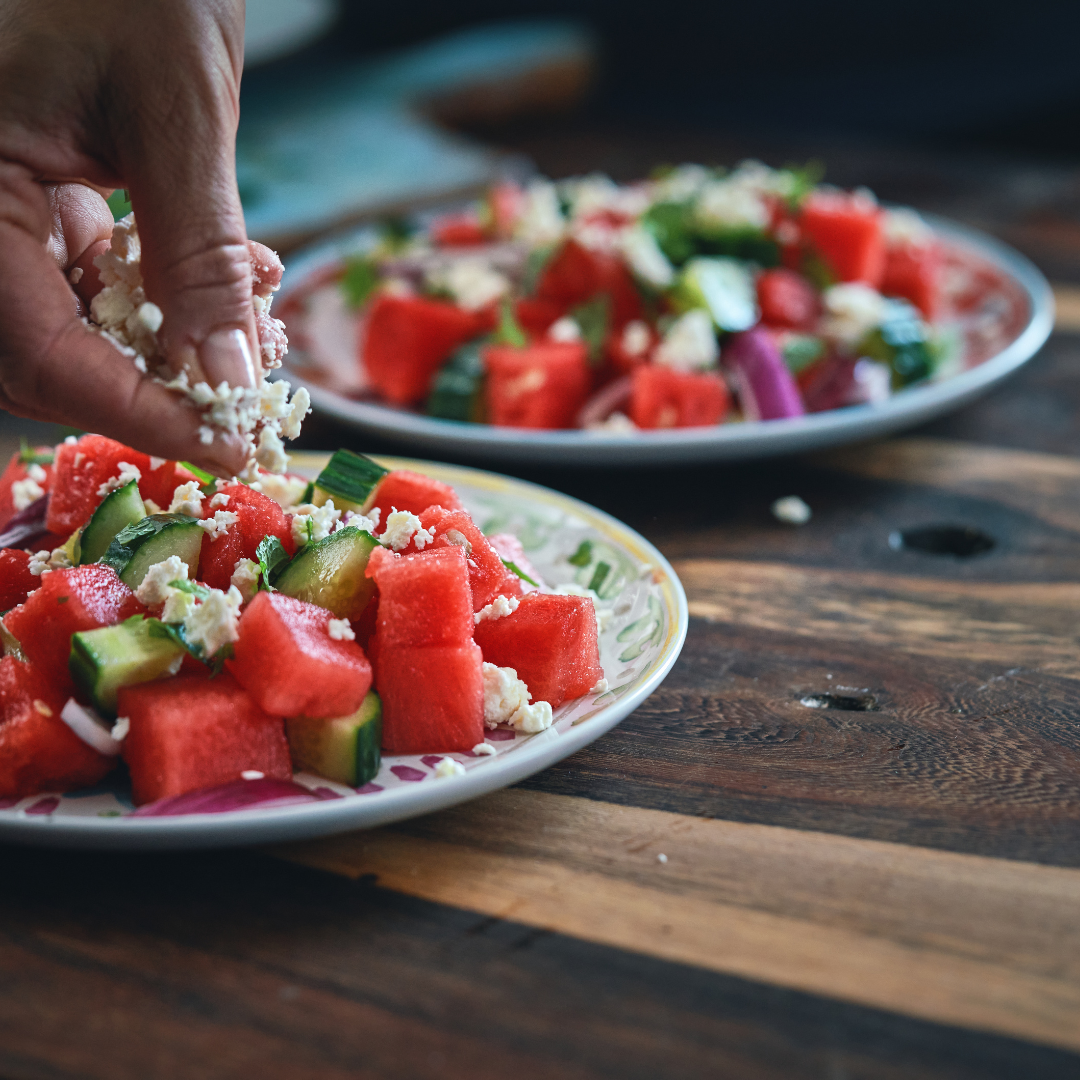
(506, 701)
(791, 510)
(484, 749)
(401, 527)
(499, 608)
(155, 588)
(25, 492)
(218, 525)
(449, 767)
(245, 577)
(286, 491)
(187, 499)
(341, 630)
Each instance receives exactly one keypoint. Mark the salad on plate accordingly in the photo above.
(696, 298)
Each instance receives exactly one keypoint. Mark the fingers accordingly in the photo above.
(179, 165)
(81, 228)
(53, 368)
(266, 268)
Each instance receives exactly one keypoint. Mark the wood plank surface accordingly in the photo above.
(927, 934)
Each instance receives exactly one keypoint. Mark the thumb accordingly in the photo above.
(179, 164)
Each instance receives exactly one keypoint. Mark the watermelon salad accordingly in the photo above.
(216, 634)
(696, 298)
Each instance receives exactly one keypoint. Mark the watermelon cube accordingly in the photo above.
(432, 698)
(788, 300)
(290, 665)
(16, 581)
(535, 316)
(257, 516)
(79, 471)
(913, 272)
(403, 489)
(542, 385)
(82, 598)
(577, 274)
(550, 641)
(661, 397)
(845, 230)
(407, 338)
(424, 599)
(18, 470)
(455, 529)
(38, 751)
(191, 732)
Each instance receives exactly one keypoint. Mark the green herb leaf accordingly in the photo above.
(200, 474)
(272, 558)
(360, 280)
(29, 456)
(594, 318)
(599, 576)
(192, 587)
(309, 492)
(119, 203)
(515, 569)
(583, 555)
(509, 332)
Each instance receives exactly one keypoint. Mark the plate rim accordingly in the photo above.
(757, 440)
(309, 820)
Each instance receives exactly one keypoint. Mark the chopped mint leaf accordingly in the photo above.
(309, 492)
(599, 576)
(272, 557)
(509, 332)
(29, 456)
(193, 587)
(806, 178)
(594, 318)
(583, 555)
(515, 569)
(359, 281)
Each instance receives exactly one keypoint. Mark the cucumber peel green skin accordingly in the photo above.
(350, 479)
(345, 749)
(120, 508)
(138, 547)
(103, 660)
(331, 573)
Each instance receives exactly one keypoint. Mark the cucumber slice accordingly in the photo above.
(102, 661)
(330, 573)
(458, 391)
(152, 540)
(121, 507)
(724, 288)
(350, 480)
(345, 749)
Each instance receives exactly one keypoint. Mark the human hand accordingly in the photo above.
(141, 94)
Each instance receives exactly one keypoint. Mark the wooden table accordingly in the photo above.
(864, 774)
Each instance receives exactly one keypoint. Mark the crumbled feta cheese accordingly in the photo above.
(600, 687)
(564, 329)
(313, 523)
(646, 259)
(299, 407)
(449, 767)
(341, 630)
(220, 499)
(178, 606)
(872, 383)
(245, 577)
(690, 343)
(401, 527)
(25, 492)
(270, 453)
(252, 774)
(851, 312)
(506, 700)
(155, 587)
(730, 203)
(636, 338)
(214, 622)
(484, 749)
(792, 510)
(541, 223)
(368, 522)
(680, 183)
(76, 274)
(471, 281)
(121, 728)
(617, 423)
(36, 473)
(904, 226)
(187, 499)
(44, 562)
(218, 525)
(71, 440)
(499, 608)
(286, 491)
(127, 473)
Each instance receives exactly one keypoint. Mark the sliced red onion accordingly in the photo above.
(235, 795)
(26, 526)
(767, 389)
(616, 395)
(90, 728)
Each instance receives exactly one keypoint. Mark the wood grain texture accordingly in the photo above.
(927, 934)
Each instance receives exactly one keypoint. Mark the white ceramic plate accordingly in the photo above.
(1023, 290)
(646, 620)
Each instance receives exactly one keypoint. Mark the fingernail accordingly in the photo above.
(226, 355)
